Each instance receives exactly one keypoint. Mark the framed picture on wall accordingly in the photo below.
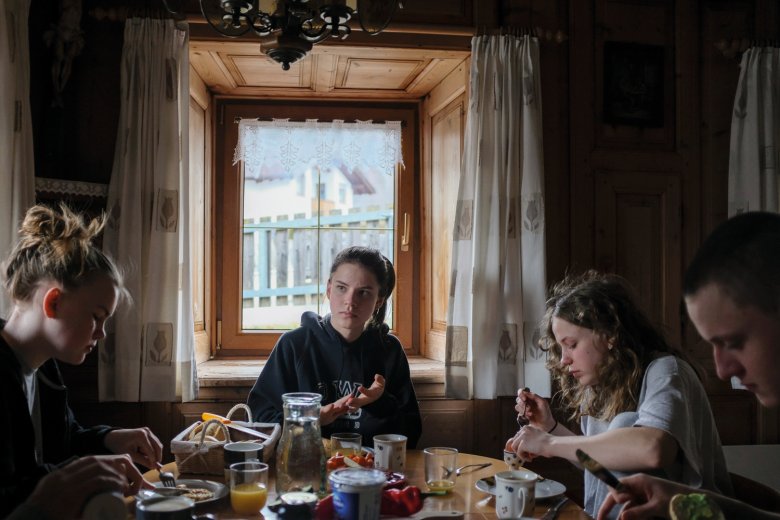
(634, 84)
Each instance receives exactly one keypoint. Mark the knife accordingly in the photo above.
(553, 511)
(206, 416)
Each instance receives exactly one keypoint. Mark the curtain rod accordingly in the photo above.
(736, 46)
(122, 13)
(238, 119)
(543, 34)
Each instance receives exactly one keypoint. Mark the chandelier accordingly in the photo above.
(296, 25)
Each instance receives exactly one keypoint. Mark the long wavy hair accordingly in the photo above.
(604, 304)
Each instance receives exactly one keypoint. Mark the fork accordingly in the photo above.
(166, 477)
(448, 471)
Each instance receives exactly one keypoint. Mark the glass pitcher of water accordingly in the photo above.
(300, 455)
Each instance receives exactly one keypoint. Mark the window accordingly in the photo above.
(275, 244)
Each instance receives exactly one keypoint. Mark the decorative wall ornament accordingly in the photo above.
(634, 84)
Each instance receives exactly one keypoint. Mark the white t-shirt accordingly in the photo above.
(672, 399)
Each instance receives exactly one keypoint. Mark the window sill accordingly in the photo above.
(427, 374)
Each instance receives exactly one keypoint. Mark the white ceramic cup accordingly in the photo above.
(515, 493)
(390, 452)
(512, 460)
(241, 452)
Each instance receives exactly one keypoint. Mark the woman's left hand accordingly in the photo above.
(370, 394)
(140, 443)
(529, 442)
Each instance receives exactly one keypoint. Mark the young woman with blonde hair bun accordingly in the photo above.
(64, 289)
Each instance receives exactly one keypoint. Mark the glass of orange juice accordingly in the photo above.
(248, 487)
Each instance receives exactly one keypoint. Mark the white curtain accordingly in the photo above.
(755, 133)
(293, 145)
(497, 293)
(149, 355)
(17, 171)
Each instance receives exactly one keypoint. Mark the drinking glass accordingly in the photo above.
(248, 487)
(440, 468)
(346, 444)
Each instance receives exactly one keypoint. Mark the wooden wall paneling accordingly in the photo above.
(635, 22)
(582, 125)
(735, 416)
(444, 126)
(638, 237)
(688, 133)
(768, 23)
(448, 422)
(554, 63)
(438, 12)
(447, 129)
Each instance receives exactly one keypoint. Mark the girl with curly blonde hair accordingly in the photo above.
(639, 400)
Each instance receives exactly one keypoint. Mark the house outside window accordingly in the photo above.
(290, 238)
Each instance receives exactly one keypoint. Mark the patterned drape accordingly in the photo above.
(755, 133)
(17, 171)
(150, 353)
(497, 293)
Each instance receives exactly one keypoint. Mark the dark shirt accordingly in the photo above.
(63, 437)
(315, 358)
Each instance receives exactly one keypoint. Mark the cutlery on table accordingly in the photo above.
(475, 466)
(551, 513)
(166, 477)
(599, 471)
(206, 416)
(448, 471)
(522, 420)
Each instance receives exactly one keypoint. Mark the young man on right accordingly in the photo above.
(732, 292)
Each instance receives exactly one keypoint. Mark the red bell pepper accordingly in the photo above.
(401, 502)
(324, 509)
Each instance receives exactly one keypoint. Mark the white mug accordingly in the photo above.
(241, 452)
(390, 452)
(515, 493)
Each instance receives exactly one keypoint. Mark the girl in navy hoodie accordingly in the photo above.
(347, 356)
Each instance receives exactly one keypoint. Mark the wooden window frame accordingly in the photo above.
(230, 341)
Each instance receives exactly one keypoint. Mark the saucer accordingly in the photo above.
(545, 489)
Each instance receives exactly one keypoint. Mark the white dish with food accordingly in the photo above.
(202, 491)
(544, 488)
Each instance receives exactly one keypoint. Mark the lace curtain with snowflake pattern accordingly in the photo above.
(293, 144)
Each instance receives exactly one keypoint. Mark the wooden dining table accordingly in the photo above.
(465, 498)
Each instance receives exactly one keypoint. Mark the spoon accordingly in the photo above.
(522, 420)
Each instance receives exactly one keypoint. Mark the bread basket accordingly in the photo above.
(201, 454)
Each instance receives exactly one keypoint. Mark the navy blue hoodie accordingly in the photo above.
(315, 358)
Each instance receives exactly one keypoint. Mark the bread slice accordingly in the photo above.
(694, 506)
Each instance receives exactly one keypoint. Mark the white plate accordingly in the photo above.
(219, 490)
(545, 489)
